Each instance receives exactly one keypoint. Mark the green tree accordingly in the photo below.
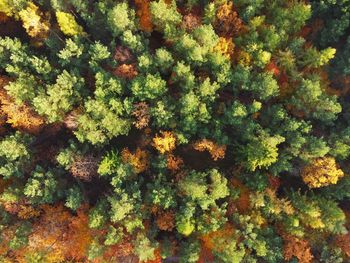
(15, 154)
(261, 151)
(60, 97)
(121, 18)
(74, 198)
(42, 186)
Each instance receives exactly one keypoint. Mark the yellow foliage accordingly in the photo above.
(225, 47)
(257, 218)
(139, 160)
(321, 172)
(227, 21)
(27, 212)
(165, 142)
(68, 25)
(33, 21)
(216, 151)
(6, 8)
(279, 204)
(243, 58)
(20, 117)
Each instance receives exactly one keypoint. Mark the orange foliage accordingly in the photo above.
(298, 248)
(272, 67)
(123, 54)
(227, 21)
(216, 151)
(191, 21)
(50, 231)
(2, 122)
(305, 31)
(274, 182)
(27, 212)
(126, 71)
(6, 234)
(60, 235)
(20, 117)
(3, 17)
(143, 12)
(141, 113)
(279, 204)
(80, 235)
(21, 209)
(139, 160)
(243, 202)
(165, 142)
(166, 220)
(4, 184)
(174, 163)
(205, 255)
(344, 243)
(209, 241)
(158, 257)
(121, 250)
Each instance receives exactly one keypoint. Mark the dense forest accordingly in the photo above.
(174, 131)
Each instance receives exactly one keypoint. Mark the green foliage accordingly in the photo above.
(98, 215)
(113, 236)
(195, 186)
(42, 186)
(60, 97)
(335, 25)
(184, 220)
(121, 18)
(22, 89)
(312, 100)
(250, 77)
(100, 121)
(161, 194)
(261, 152)
(74, 198)
(164, 15)
(148, 87)
(144, 249)
(95, 250)
(15, 154)
(21, 236)
(331, 255)
(189, 251)
(319, 213)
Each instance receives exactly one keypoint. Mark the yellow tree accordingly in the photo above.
(165, 142)
(321, 172)
(216, 151)
(139, 160)
(34, 22)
